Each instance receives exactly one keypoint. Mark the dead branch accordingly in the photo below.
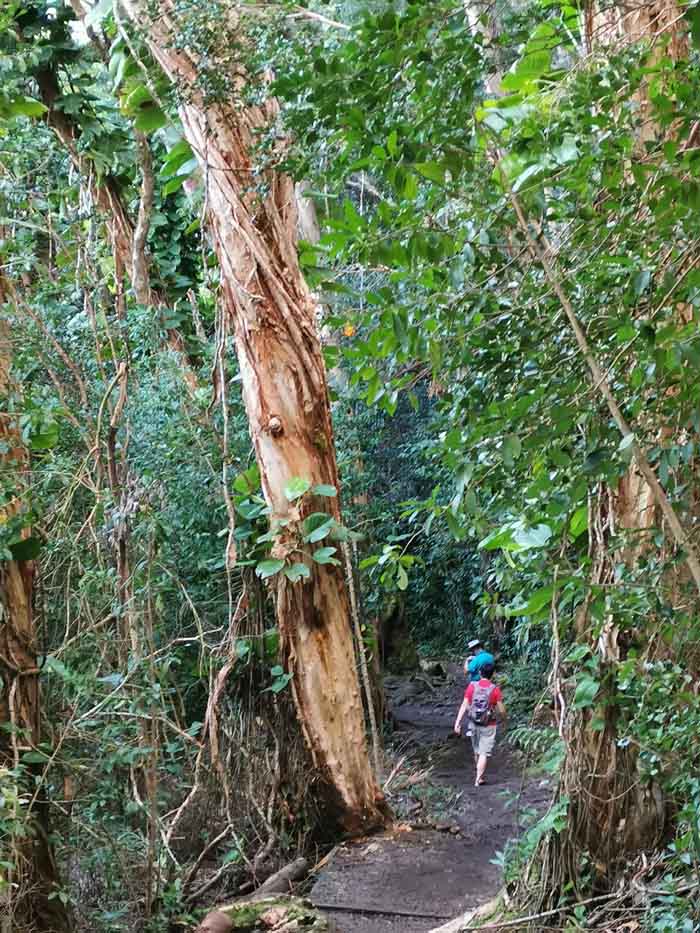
(281, 882)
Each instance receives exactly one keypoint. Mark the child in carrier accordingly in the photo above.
(483, 704)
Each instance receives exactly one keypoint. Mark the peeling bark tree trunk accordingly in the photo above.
(284, 388)
(32, 905)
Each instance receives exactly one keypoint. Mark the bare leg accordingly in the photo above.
(481, 763)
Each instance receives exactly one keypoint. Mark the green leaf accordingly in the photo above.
(534, 64)
(186, 169)
(529, 538)
(296, 487)
(34, 758)
(243, 648)
(458, 531)
(586, 691)
(279, 684)
(626, 442)
(401, 578)
(271, 642)
(566, 152)
(320, 531)
(577, 653)
(45, 439)
(369, 561)
(511, 449)
(118, 63)
(693, 15)
(297, 572)
(56, 667)
(175, 162)
(150, 119)
(247, 482)
(535, 603)
(268, 568)
(410, 188)
(173, 185)
(26, 549)
(24, 107)
(179, 150)
(579, 521)
(136, 97)
(432, 170)
(324, 555)
(525, 72)
(281, 679)
(323, 489)
(532, 171)
(501, 538)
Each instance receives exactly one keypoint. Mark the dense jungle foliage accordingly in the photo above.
(506, 282)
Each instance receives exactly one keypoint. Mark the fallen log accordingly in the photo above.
(281, 882)
(268, 915)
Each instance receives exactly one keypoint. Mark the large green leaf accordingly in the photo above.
(26, 549)
(150, 119)
(586, 691)
(324, 489)
(320, 531)
(247, 482)
(296, 487)
(268, 568)
(296, 572)
(537, 602)
(325, 555)
(139, 95)
(526, 538)
(45, 439)
(579, 521)
(22, 107)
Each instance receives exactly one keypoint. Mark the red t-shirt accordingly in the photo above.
(496, 695)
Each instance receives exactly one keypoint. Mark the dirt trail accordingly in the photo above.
(437, 861)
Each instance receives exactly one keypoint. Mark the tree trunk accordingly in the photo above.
(31, 902)
(612, 815)
(283, 382)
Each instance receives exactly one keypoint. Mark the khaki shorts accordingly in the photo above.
(483, 739)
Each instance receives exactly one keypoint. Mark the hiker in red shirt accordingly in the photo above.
(483, 703)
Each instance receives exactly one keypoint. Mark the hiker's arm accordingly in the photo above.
(460, 715)
(501, 710)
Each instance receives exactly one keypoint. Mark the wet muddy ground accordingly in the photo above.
(438, 860)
